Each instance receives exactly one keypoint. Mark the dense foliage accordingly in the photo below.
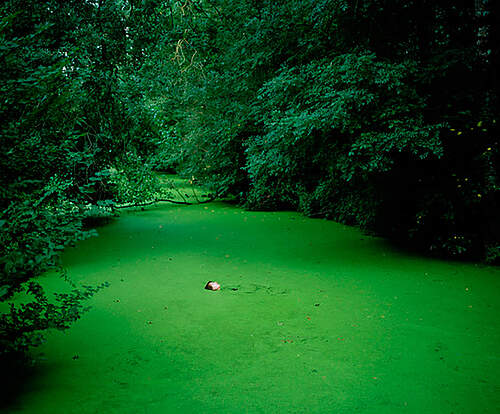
(381, 114)
(76, 138)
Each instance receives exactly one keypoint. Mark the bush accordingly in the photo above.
(381, 115)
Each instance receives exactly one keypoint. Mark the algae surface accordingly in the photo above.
(313, 317)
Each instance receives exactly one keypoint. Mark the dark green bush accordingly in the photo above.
(376, 114)
(76, 138)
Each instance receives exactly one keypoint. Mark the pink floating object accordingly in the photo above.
(211, 285)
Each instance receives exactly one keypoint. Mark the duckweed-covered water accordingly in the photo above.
(313, 317)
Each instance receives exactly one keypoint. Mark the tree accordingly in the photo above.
(73, 144)
(377, 114)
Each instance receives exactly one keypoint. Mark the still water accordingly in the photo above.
(312, 317)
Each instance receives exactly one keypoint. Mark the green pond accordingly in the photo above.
(312, 317)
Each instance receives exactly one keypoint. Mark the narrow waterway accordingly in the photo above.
(312, 317)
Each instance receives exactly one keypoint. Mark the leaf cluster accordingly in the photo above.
(377, 114)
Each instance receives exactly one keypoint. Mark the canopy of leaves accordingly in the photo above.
(77, 136)
(381, 114)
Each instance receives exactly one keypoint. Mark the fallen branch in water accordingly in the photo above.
(166, 200)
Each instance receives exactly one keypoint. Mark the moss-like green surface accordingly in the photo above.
(313, 317)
